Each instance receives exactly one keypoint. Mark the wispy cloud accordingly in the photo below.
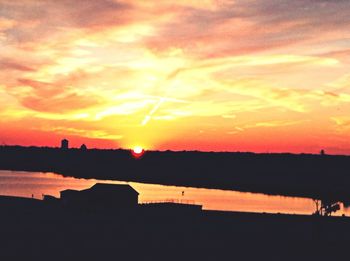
(126, 69)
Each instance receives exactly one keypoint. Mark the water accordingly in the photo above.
(37, 184)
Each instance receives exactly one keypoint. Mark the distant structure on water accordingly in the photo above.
(64, 144)
(83, 147)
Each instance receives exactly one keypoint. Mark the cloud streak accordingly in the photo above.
(125, 70)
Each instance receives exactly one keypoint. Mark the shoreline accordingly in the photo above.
(309, 176)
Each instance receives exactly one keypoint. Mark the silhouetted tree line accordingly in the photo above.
(315, 176)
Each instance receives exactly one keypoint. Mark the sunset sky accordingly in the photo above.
(240, 75)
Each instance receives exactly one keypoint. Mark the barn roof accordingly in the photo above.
(107, 187)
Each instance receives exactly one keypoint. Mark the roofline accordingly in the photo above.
(111, 184)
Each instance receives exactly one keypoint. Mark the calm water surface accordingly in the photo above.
(26, 184)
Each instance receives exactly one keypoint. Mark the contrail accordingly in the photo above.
(163, 99)
(154, 109)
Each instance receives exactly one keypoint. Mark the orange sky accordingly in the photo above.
(264, 76)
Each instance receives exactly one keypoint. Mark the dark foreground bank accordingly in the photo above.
(323, 177)
(35, 230)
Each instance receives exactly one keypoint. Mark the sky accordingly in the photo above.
(210, 75)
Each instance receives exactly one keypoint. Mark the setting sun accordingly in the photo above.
(138, 150)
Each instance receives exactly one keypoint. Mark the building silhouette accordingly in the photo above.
(64, 144)
(101, 196)
(83, 147)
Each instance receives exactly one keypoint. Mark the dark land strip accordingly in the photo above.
(324, 177)
(35, 230)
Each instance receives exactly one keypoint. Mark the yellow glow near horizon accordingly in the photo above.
(148, 74)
